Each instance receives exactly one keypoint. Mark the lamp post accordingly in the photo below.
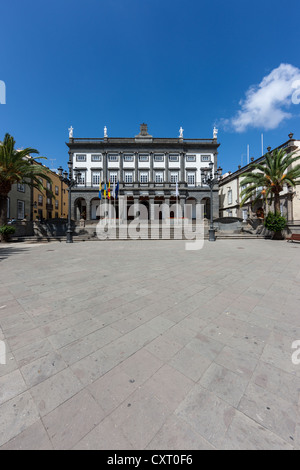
(211, 180)
(70, 182)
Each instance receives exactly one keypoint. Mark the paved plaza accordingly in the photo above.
(144, 345)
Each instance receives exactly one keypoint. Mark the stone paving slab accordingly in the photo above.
(144, 345)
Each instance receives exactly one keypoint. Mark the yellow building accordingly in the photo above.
(47, 207)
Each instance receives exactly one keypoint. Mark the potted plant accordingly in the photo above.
(6, 231)
(275, 223)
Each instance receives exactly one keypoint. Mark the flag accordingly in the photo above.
(104, 192)
(114, 190)
(100, 189)
(117, 190)
(177, 190)
(108, 191)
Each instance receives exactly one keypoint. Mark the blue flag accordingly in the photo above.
(117, 190)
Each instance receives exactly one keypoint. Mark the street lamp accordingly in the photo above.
(70, 182)
(211, 179)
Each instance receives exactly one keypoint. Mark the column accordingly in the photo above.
(88, 210)
(182, 166)
(105, 166)
(167, 213)
(182, 202)
(121, 168)
(136, 163)
(151, 167)
(151, 208)
(167, 167)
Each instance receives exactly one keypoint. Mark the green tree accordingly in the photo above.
(17, 166)
(267, 178)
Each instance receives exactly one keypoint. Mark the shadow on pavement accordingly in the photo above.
(8, 250)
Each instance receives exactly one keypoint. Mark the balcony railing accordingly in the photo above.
(150, 185)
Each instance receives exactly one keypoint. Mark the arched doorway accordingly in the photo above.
(206, 202)
(80, 209)
(94, 205)
(158, 201)
(173, 211)
(144, 214)
(130, 202)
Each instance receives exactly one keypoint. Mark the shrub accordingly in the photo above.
(275, 222)
(6, 231)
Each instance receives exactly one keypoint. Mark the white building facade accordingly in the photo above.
(148, 169)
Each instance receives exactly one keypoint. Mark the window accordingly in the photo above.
(144, 177)
(49, 185)
(173, 158)
(229, 196)
(158, 158)
(113, 158)
(80, 158)
(128, 177)
(56, 215)
(20, 209)
(174, 177)
(56, 204)
(49, 201)
(96, 178)
(8, 207)
(205, 158)
(229, 213)
(40, 200)
(56, 190)
(81, 180)
(191, 179)
(96, 158)
(144, 158)
(191, 158)
(21, 188)
(128, 158)
(159, 177)
(113, 176)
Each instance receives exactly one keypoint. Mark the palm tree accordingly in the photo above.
(266, 179)
(16, 166)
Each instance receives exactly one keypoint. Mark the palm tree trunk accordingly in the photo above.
(3, 209)
(277, 235)
(276, 203)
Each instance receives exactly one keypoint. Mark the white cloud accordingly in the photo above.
(265, 105)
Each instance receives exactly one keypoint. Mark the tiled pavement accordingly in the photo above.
(143, 345)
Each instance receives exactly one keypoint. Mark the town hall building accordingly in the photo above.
(150, 171)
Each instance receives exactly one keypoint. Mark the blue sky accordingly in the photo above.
(168, 63)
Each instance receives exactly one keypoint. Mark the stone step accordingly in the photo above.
(77, 238)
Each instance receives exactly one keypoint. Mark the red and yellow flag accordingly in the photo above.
(108, 191)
